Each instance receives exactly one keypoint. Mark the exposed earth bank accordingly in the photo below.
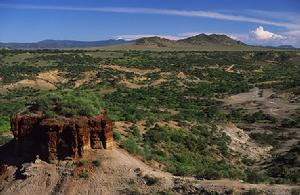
(119, 173)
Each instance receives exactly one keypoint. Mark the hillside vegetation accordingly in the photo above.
(170, 107)
(68, 104)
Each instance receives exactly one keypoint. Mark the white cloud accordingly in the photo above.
(262, 34)
(184, 13)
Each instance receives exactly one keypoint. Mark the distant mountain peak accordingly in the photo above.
(204, 39)
(154, 41)
(286, 46)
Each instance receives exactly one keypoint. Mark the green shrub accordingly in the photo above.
(97, 162)
(165, 192)
(4, 139)
(151, 120)
(266, 138)
(209, 173)
(69, 104)
(255, 177)
(285, 167)
(131, 146)
(82, 162)
(248, 161)
(258, 116)
(295, 192)
(288, 123)
(252, 191)
(132, 188)
(4, 124)
(117, 136)
(222, 146)
(84, 174)
(135, 131)
(151, 180)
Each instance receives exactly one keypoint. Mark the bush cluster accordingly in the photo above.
(68, 104)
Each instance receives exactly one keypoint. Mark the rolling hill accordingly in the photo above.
(201, 42)
(203, 39)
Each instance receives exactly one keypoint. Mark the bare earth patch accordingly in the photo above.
(131, 85)
(118, 173)
(230, 69)
(53, 76)
(40, 178)
(252, 95)
(241, 144)
(35, 84)
(170, 124)
(133, 70)
(181, 75)
(121, 126)
(86, 77)
(261, 99)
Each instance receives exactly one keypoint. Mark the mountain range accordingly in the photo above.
(197, 42)
(62, 44)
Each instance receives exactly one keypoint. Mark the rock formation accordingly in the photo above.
(59, 138)
(3, 168)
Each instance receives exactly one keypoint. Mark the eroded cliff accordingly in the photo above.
(56, 139)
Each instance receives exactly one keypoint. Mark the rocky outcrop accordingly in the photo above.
(3, 168)
(242, 146)
(59, 138)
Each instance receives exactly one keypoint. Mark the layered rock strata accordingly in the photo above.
(56, 139)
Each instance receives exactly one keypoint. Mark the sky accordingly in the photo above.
(259, 22)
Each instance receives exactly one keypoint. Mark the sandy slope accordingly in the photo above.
(118, 174)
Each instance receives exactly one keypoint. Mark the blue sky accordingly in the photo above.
(264, 22)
